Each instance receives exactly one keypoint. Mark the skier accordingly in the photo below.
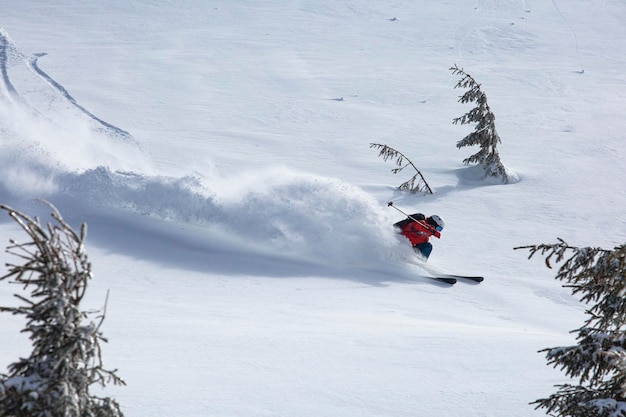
(418, 229)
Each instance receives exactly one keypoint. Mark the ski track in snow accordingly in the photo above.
(5, 48)
(35, 67)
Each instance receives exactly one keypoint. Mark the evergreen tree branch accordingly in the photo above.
(66, 358)
(414, 184)
(485, 134)
(598, 360)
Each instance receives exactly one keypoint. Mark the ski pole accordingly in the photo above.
(390, 204)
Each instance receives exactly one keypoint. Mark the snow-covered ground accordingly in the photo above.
(219, 153)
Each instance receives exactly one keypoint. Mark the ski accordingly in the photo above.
(476, 279)
(441, 276)
(447, 279)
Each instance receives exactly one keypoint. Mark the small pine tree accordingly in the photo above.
(485, 134)
(598, 277)
(414, 184)
(66, 358)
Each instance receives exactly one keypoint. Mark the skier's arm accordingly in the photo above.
(410, 219)
(417, 216)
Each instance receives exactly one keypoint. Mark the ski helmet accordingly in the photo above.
(437, 222)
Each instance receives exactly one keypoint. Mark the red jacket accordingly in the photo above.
(418, 231)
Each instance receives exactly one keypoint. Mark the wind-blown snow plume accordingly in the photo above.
(54, 148)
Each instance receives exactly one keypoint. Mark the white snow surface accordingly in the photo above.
(219, 152)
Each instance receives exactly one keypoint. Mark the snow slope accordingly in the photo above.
(219, 152)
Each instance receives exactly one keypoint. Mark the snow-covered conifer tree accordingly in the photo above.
(484, 134)
(66, 358)
(597, 361)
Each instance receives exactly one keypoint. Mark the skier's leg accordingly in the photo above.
(423, 249)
